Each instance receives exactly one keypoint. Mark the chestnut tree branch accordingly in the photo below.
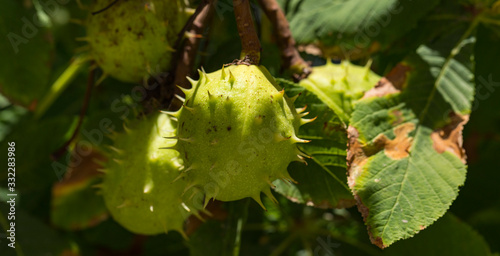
(186, 57)
(86, 100)
(289, 54)
(250, 44)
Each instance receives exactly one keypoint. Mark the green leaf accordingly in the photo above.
(9, 116)
(322, 182)
(406, 160)
(26, 49)
(356, 27)
(340, 85)
(448, 236)
(35, 141)
(75, 203)
(61, 84)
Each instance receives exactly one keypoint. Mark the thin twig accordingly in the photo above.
(90, 84)
(105, 8)
(250, 44)
(291, 57)
(188, 26)
(186, 58)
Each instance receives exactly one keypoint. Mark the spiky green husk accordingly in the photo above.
(237, 133)
(137, 187)
(133, 39)
(340, 85)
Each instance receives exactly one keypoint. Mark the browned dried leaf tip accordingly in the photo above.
(449, 138)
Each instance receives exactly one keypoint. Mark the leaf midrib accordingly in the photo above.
(454, 52)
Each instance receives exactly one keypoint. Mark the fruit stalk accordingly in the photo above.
(250, 44)
(289, 54)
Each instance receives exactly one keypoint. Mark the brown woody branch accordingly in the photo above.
(86, 100)
(193, 31)
(291, 57)
(250, 44)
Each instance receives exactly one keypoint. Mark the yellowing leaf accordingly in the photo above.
(405, 156)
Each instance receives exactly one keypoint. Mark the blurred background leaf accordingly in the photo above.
(32, 236)
(477, 203)
(386, 32)
(28, 48)
(353, 29)
(448, 236)
(75, 201)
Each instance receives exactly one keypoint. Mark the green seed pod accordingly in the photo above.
(340, 85)
(237, 133)
(132, 39)
(138, 188)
